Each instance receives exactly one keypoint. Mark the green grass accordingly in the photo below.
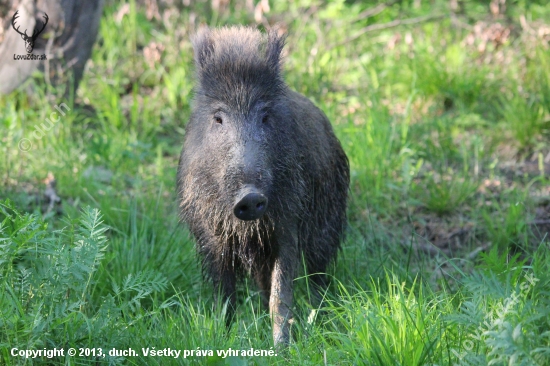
(445, 262)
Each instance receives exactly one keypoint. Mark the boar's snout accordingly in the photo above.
(251, 204)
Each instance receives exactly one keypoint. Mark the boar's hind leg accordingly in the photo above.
(317, 264)
(282, 277)
(263, 280)
(318, 288)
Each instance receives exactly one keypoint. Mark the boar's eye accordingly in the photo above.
(218, 119)
(265, 118)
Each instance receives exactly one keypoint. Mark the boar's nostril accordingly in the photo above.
(251, 207)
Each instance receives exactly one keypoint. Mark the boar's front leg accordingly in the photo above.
(282, 277)
(225, 294)
(220, 271)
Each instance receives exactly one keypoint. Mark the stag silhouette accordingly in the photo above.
(29, 40)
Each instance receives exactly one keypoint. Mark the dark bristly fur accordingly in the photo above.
(248, 128)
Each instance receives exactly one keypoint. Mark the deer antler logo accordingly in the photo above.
(29, 40)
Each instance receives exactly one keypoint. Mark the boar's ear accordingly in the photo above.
(275, 44)
(202, 46)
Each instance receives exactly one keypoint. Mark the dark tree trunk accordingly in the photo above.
(67, 40)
